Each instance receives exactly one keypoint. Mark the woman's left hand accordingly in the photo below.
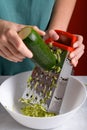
(78, 45)
(78, 52)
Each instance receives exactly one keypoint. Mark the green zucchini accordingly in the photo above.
(42, 54)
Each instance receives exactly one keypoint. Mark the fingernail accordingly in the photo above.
(30, 55)
(75, 45)
(71, 55)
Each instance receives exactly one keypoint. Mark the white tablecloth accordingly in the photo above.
(78, 122)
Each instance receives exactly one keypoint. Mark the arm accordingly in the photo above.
(60, 19)
(61, 14)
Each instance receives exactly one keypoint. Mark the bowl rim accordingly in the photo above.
(59, 115)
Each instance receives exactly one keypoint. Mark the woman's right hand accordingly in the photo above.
(11, 45)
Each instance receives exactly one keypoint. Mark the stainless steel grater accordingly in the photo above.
(48, 87)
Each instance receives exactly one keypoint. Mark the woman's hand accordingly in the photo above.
(78, 45)
(78, 52)
(11, 45)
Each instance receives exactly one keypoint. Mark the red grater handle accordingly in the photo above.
(65, 41)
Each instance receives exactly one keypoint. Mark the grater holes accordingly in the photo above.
(27, 95)
(36, 98)
(58, 98)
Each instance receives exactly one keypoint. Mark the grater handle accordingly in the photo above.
(65, 41)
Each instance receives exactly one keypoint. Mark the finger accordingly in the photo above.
(14, 51)
(18, 44)
(41, 32)
(8, 48)
(78, 42)
(77, 51)
(6, 57)
(7, 54)
(77, 57)
(74, 62)
(53, 35)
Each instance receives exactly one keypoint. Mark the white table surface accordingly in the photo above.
(77, 122)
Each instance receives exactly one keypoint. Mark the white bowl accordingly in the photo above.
(12, 89)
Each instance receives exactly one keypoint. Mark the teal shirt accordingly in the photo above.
(28, 12)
